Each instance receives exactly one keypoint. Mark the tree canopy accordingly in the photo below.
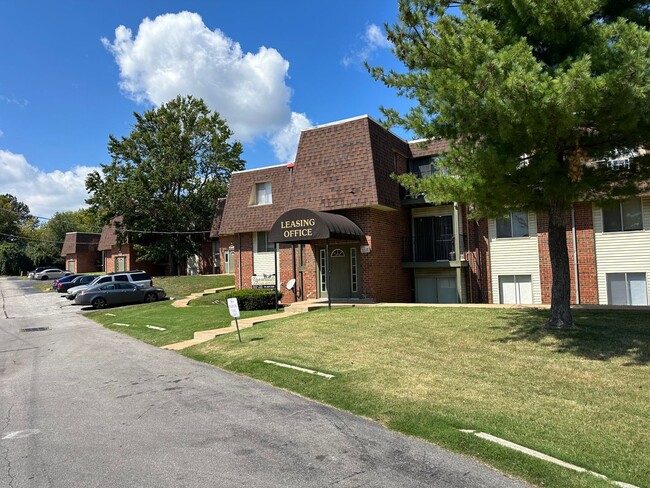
(165, 178)
(15, 218)
(534, 97)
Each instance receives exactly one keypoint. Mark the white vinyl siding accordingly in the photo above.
(621, 252)
(515, 256)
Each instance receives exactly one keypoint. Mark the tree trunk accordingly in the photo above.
(561, 317)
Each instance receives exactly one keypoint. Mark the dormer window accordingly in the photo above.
(263, 194)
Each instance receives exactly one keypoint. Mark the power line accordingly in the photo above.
(31, 238)
(122, 230)
(166, 231)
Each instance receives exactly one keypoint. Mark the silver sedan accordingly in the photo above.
(114, 293)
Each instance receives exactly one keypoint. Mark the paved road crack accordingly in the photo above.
(6, 449)
(4, 304)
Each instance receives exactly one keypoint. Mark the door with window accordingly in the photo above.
(343, 272)
(120, 263)
(228, 263)
(433, 238)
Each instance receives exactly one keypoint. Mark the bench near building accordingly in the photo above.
(345, 229)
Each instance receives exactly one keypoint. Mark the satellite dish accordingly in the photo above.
(291, 283)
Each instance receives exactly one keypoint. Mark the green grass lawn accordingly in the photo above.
(180, 286)
(582, 396)
(180, 323)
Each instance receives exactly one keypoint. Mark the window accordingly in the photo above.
(354, 275)
(323, 271)
(622, 215)
(263, 194)
(263, 244)
(515, 224)
(619, 164)
(626, 289)
(121, 278)
(515, 289)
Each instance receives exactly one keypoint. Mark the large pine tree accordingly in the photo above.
(534, 96)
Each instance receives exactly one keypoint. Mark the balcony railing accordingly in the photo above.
(422, 249)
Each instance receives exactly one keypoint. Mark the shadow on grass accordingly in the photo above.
(600, 335)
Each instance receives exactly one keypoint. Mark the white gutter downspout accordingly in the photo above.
(575, 254)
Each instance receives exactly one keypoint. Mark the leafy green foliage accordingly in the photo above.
(529, 94)
(13, 259)
(533, 96)
(15, 218)
(44, 248)
(250, 299)
(166, 176)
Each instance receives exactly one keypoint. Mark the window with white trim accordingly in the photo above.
(262, 243)
(263, 194)
(353, 270)
(626, 289)
(515, 224)
(323, 271)
(622, 215)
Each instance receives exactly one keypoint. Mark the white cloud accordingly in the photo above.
(44, 193)
(177, 54)
(372, 40)
(285, 142)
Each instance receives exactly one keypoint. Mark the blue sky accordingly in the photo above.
(73, 72)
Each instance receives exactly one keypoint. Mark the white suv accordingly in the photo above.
(137, 277)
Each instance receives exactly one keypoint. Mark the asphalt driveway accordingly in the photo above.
(81, 406)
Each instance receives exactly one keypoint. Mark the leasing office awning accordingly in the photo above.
(300, 224)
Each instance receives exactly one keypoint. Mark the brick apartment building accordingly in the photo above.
(81, 253)
(346, 230)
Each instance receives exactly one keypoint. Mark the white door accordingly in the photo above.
(515, 289)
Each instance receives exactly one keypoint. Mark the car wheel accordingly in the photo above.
(44, 278)
(99, 302)
(150, 297)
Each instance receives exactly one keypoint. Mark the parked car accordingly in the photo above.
(136, 277)
(64, 286)
(51, 274)
(55, 283)
(118, 293)
(31, 274)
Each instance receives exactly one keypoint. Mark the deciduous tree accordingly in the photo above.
(165, 178)
(533, 96)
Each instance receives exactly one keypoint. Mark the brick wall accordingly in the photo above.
(85, 262)
(586, 255)
(131, 260)
(381, 276)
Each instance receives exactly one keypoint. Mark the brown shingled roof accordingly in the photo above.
(108, 238)
(428, 148)
(76, 242)
(239, 216)
(218, 214)
(342, 165)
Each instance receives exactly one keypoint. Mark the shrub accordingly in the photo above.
(249, 299)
